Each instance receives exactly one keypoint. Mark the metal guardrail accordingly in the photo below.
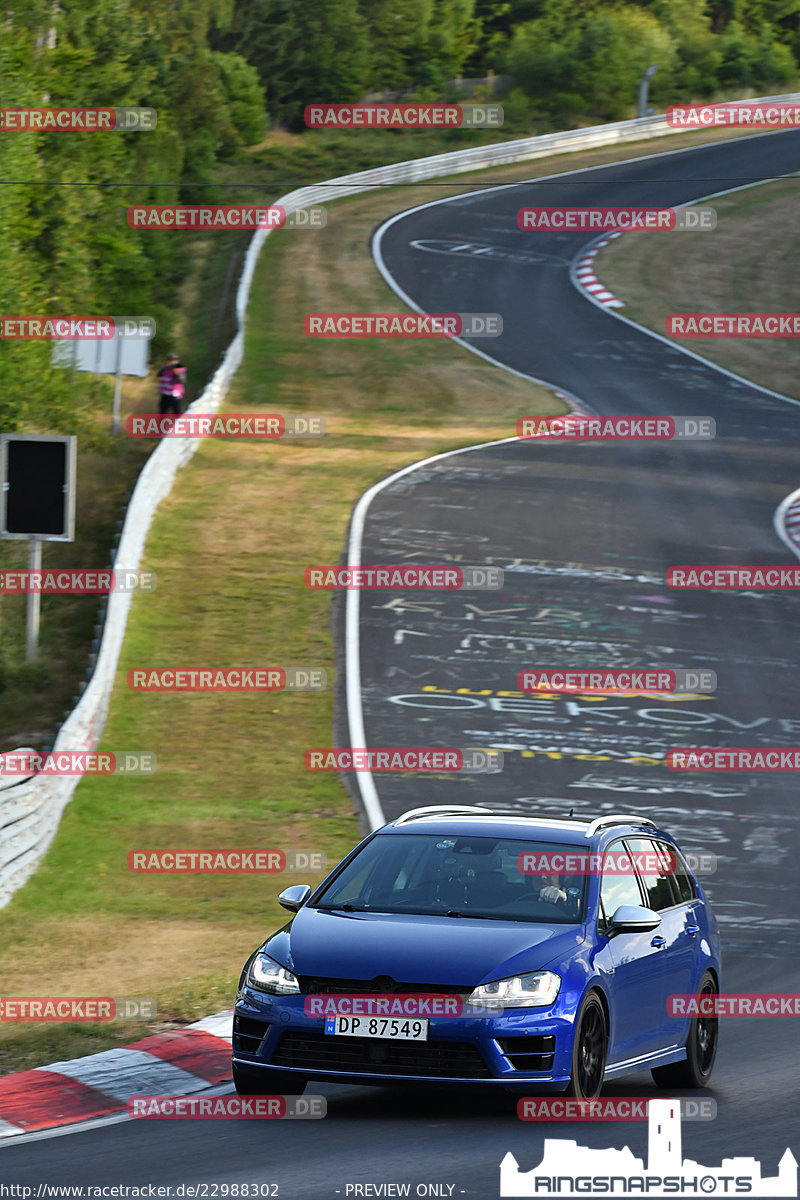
(30, 810)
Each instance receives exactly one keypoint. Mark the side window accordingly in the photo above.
(655, 872)
(617, 887)
(681, 877)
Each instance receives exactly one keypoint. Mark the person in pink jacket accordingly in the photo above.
(171, 383)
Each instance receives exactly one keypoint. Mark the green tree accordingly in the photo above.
(304, 54)
(243, 98)
(698, 54)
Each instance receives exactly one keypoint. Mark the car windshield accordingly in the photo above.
(459, 876)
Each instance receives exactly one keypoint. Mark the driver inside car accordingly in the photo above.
(562, 891)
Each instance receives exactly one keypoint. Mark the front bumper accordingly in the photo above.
(530, 1047)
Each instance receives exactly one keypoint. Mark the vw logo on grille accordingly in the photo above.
(385, 983)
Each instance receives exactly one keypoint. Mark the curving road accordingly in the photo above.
(584, 535)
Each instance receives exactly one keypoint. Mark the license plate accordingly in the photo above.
(396, 1028)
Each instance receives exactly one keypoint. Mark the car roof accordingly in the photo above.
(474, 821)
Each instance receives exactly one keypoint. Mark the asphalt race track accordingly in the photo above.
(584, 535)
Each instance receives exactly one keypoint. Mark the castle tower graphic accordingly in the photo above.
(664, 1138)
(566, 1168)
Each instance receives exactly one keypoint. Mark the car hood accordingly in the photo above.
(417, 949)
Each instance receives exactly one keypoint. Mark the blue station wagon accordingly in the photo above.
(514, 971)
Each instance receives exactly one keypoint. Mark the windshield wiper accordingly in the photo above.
(453, 912)
(340, 907)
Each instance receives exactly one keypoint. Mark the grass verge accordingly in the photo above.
(744, 265)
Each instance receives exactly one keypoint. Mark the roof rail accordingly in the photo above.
(618, 819)
(440, 810)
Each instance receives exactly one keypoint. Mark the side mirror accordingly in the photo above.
(632, 918)
(294, 897)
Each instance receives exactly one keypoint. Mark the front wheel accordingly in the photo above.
(701, 1048)
(589, 1050)
(268, 1083)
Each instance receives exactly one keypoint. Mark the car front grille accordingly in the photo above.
(382, 986)
(529, 1053)
(318, 1051)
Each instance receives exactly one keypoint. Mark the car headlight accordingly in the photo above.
(267, 975)
(535, 990)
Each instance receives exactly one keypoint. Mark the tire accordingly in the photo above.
(701, 1049)
(589, 1050)
(268, 1083)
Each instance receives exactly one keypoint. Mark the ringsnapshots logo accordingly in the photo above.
(733, 325)
(77, 1008)
(421, 759)
(607, 681)
(18, 119)
(24, 764)
(578, 427)
(413, 325)
(76, 583)
(257, 427)
(567, 1169)
(227, 679)
(616, 218)
(403, 116)
(223, 861)
(403, 579)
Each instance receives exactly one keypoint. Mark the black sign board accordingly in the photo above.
(37, 487)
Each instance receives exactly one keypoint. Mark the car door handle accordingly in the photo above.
(658, 941)
(692, 929)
